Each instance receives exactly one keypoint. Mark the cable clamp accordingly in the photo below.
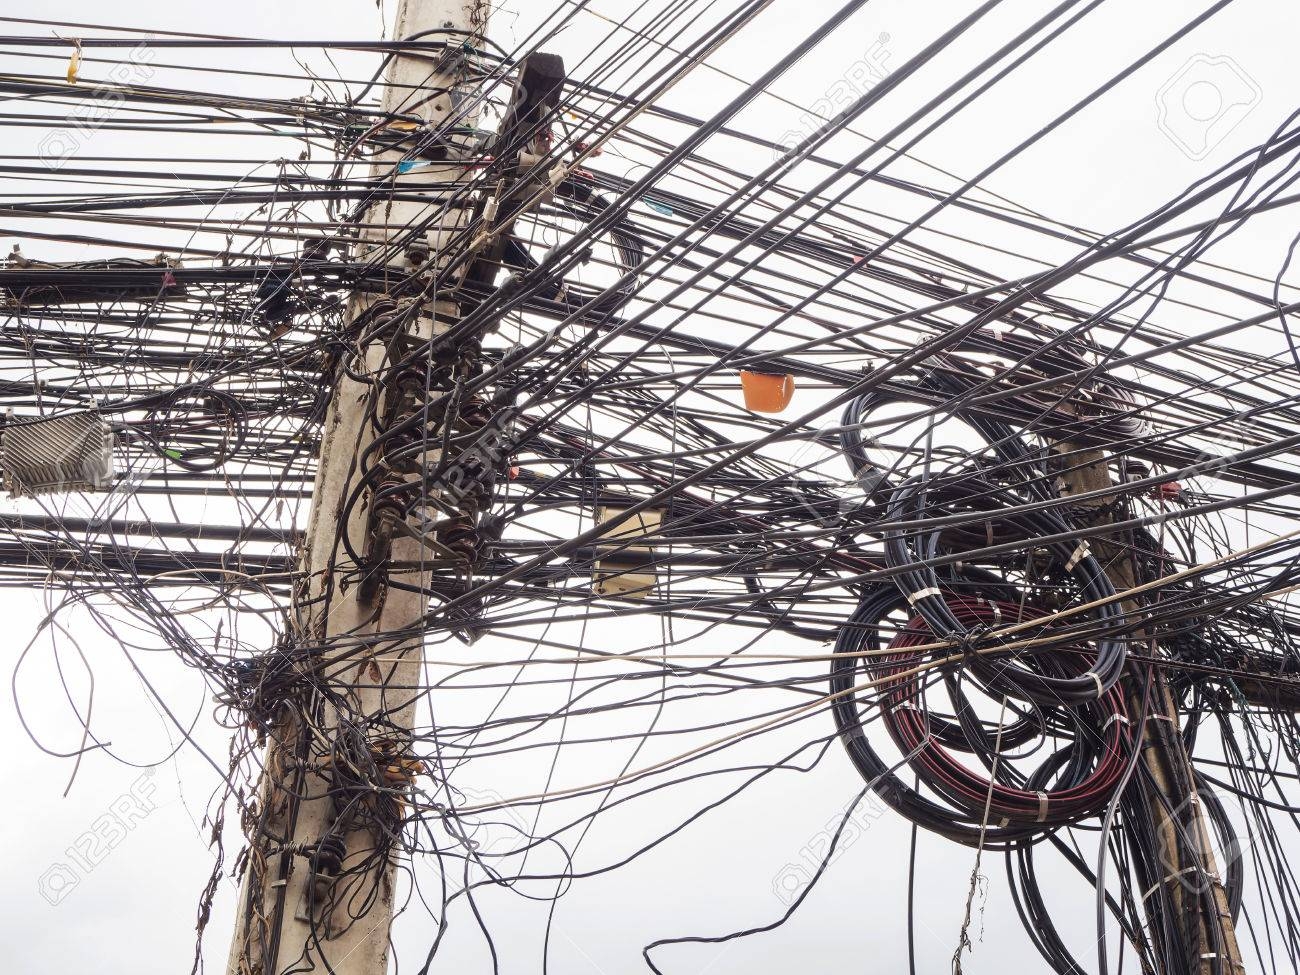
(1112, 719)
(1166, 879)
(1080, 553)
(921, 594)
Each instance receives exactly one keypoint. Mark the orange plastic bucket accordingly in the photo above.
(766, 392)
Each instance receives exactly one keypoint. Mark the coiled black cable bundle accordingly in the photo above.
(952, 542)
(919, 584)
(1073, 781)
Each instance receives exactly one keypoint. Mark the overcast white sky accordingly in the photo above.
(135, 912)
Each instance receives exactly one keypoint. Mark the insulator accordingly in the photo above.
(460, 536)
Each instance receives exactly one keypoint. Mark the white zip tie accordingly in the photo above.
(1042, 807)
(1079, 555)
(1164, 880)
(1112, 719)
(1101, 690)
(921, 594)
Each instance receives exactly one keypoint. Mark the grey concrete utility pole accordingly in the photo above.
(318, 879)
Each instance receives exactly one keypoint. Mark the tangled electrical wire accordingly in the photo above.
(1038, 534)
